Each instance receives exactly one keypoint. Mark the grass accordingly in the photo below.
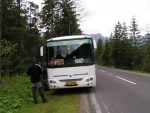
(15, 97)
(59, 102)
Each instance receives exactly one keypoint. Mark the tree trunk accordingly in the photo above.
(0, 32)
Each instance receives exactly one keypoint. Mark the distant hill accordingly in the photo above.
(97, 37)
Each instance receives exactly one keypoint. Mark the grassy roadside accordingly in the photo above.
(58, 103)
(15, 97)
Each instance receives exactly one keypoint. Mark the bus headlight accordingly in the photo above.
(52, 82)
(89, 79)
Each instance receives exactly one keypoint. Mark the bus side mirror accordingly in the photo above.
(41, 51)
(95, 44)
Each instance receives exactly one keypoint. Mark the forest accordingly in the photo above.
(24, 28)
(125, 49)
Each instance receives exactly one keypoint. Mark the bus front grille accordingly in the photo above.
(67, 80)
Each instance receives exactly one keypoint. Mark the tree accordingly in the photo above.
(14, 29)
(49, 10)
(134, 32)
(106, 57)
(136, 50)
(21, 27)
(126, 49)
(116, 44)
(7, 51)
(0, 32)
(69, 19)
(32, 41)
(99, 52)
(59, 18)
(121, 47)
(146, 58)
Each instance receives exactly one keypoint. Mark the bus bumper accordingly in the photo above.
(72, 83)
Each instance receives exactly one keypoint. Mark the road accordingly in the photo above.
(122, 92)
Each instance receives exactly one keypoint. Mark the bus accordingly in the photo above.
(70, 61)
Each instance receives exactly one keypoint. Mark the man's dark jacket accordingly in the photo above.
(35, 72)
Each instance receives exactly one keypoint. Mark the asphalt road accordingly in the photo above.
(122, 92)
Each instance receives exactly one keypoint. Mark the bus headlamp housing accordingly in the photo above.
(52, 82)
(89, 79)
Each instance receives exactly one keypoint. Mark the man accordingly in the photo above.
(35, 71)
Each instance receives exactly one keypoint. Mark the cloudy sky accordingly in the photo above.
(102, 15)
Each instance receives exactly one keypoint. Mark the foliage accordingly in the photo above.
(60, 101)
(69, 18)
(134, 32)
(136, 50)
(15, 97)
(106, 57)
(23, 23)
(146, 54)
(59, 18)
(21, 28)
(121, 47)
(14, 94)
(99, 52)
(127, 49)
(6, 55)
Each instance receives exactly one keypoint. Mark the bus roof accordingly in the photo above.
(69, 37)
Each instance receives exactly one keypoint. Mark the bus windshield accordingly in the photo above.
(70, 53)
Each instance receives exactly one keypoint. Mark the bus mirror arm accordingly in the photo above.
(95, 44)
(41, 51)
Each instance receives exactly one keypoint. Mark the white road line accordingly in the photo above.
(110, 74)
(126, 80)
(102, 71)
(95, 105)
(106, 108)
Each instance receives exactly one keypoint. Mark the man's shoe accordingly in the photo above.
(45, 101)
(35, 103)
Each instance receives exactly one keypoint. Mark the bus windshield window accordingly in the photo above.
(70, 52)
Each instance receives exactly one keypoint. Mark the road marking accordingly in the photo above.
(106, 108)
(102, 71)
(126, 80)
(110, 74)
(95, 105)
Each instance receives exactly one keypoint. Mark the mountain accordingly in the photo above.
(97, 37)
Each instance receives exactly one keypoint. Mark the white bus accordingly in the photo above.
(70, 62)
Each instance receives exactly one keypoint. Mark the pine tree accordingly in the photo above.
(146, 58)
(17, 29)
(14, 27)
(126, 49)
(60, 18)
(32, 40)
(7, 54)
(121, 47)
(49, 10)
(0, 32)
(136, 50)
(116, 43)
(69, 18)
(106, 57)
(134, 32)
(99, 52)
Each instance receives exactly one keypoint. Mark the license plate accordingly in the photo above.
(71, 83)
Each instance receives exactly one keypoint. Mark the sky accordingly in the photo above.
(103, 15)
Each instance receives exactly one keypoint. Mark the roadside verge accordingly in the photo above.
(94, 105)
